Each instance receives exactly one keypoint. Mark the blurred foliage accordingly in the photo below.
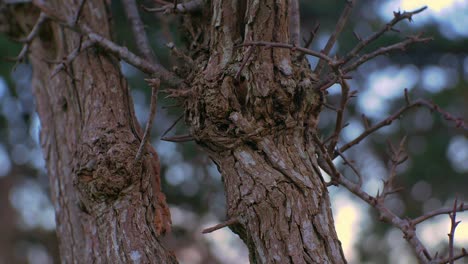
(192, 184)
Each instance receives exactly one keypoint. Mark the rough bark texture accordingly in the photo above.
(109, 209)
(256, 122)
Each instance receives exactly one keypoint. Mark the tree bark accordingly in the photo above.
(109, 209)
(255, 113)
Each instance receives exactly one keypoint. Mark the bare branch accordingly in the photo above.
(339, 115)
(229, 222)
(247, 56)
(398, 156)
(353, 168)
(70, 57)
(334, 36)
(182, 138)
(406, 226)
(461, 208)
(154, 84)
(289, 46)
(138, 29)
(389, 120)
(453, 225)
(383, 50)
(157, 70)
(462, 254)
(78, 12)
(389, 26)
(172, 126)
(294, 22)
(27, 42)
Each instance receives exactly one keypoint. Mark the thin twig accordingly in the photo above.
(389, 120)
(453, 226)
(353, 168)
(182, 138)
(157, 70)
(172, 126)
(229, 222)
(385, 214)
(247, 56)
(27, 41)
(70, 57)
(78, 12)
(308, 41)
(289, 46)
(384, 50)
(398, 16)
(334, 36)
(437, 212)
(462, 254)
(154, 84)
(340, 115)
(138, 29)
(398, 156)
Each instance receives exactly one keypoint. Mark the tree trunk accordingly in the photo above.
(255, 113)
(109, 209)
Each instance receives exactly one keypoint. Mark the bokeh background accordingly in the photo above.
(435, 173)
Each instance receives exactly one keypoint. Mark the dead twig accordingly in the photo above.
(461, 208)
(229, 222)
(384, 50)
(154, 84)
(289, 46)
(141, 39)
(182, 138)
(453, 225)
(27, 41)
(172, 126)
(334, 36)
(78, 12)
(70, 57)
(155, 69)
(398, 16)
(389, 120)
(340, 115)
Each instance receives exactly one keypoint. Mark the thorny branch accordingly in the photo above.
(389, 120)
(398, 16)
(326, 154)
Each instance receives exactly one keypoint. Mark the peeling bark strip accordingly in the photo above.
(256, 119)
(109, 209)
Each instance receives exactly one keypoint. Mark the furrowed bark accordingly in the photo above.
(109, 209)
(256, 119)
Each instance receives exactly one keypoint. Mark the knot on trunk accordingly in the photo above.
(270, 101)
(105, 165)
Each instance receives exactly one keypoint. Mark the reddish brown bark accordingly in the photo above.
(256, 118)
(109, 208)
